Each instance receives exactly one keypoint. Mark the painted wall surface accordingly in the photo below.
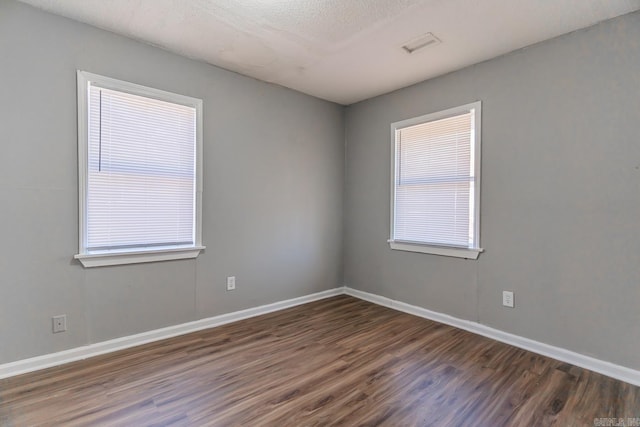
(560, 194)
(273, 191)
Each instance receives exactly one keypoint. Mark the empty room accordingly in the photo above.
(320, 212)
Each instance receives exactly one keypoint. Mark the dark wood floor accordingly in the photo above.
(340, 361)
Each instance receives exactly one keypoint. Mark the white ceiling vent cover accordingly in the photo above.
(421, 42)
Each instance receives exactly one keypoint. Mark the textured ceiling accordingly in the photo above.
(340, 50)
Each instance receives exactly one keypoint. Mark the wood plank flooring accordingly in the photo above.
(339, 361)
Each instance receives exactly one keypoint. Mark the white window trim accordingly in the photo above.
(451, 251)
(435, 250)
(131, 256)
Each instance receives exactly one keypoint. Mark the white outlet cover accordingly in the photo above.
(231, 283)
(59, 323)
(507, 299)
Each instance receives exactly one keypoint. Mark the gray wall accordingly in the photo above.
(560, 206)
(560, 194)
(273, 184)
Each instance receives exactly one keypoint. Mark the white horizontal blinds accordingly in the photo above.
(434, 182)
(141, 172)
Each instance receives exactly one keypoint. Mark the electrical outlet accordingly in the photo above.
(231, 283)
(507, 299)
(59, 323)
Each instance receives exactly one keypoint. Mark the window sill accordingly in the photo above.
(436, 250)
(121, 258)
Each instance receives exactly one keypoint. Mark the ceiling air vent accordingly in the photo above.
(421, 42)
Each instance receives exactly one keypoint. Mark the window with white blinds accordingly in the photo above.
(139, 171)
(435, 190)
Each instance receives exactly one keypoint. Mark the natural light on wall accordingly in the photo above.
(139, 172)
(435, 183)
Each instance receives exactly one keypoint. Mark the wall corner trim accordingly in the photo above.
(609, 369)
(84, 352)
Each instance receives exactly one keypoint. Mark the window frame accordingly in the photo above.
(128, 256)
(421, 247)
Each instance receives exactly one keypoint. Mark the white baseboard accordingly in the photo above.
(84, 352)
(609, 369)
(622, 373)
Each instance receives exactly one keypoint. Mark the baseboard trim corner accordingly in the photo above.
(79, 353)
(609, 369)
(612, 370)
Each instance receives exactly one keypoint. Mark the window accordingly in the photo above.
(435, 191)
(140, 174)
